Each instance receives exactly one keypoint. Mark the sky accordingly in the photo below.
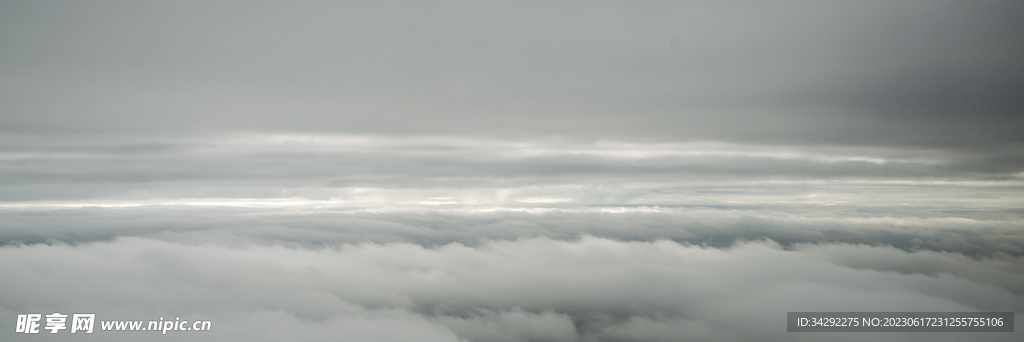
(509, 171)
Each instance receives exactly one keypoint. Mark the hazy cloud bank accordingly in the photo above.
(387, 171)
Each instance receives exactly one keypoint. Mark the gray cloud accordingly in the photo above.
(973, 232)
(858, 73)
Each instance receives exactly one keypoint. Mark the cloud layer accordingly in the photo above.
(970, 232)
(395, 171)
(592, 289)
(455, 171)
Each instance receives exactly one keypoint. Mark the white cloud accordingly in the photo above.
(528, 289)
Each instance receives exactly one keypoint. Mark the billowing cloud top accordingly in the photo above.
(458, 171)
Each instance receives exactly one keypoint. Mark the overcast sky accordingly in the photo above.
(519, 171)
(909, 73)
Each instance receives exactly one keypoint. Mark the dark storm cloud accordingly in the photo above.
(929, 73)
